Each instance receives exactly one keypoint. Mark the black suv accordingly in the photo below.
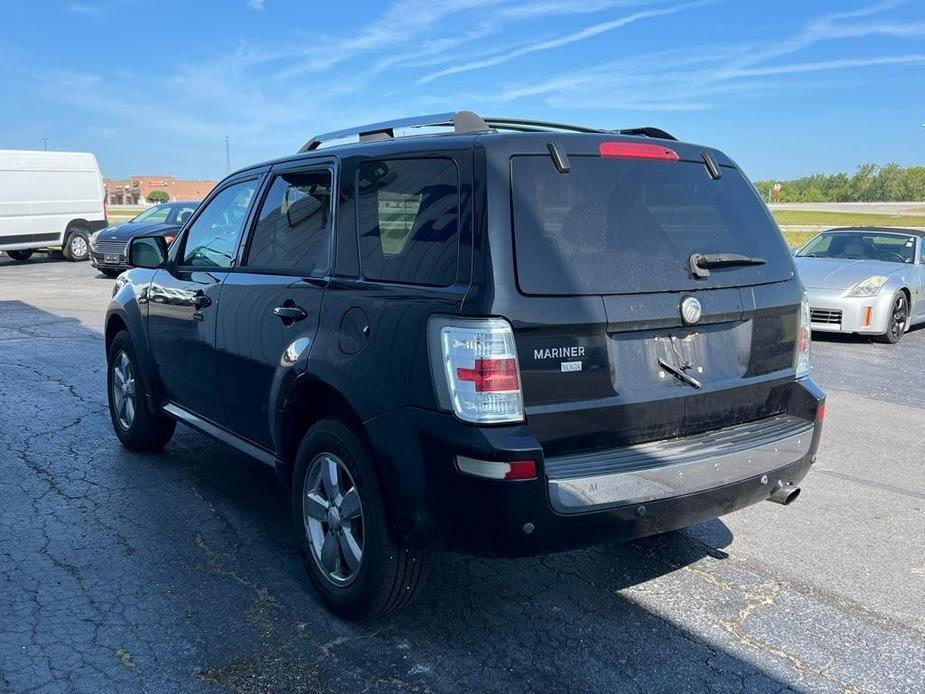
(511, 338)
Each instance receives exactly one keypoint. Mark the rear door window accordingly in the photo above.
(620, 225)
(293, 232)
(408, 220)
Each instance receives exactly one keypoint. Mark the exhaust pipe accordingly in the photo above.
(784, 494)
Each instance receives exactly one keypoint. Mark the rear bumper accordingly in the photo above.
(620, 494)
(832, 312)
(644, 473)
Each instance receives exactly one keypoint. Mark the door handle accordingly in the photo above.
(201, 301)
(289, 314)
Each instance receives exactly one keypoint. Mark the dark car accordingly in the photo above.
(512, 338)
(107, 246)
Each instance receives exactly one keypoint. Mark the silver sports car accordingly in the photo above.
(865, 280)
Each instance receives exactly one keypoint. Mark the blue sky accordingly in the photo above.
(786, 88)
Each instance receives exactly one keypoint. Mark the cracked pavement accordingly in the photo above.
(178, 572)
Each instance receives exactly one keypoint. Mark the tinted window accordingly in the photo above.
(408, 220)
(212, 238)
(857, 245)
(615, 225)
(293, 231)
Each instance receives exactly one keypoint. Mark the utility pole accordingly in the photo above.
(227, 155)
(45, 142)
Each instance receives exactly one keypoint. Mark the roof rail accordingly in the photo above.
(464, 122)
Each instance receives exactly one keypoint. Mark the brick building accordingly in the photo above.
(134, 190)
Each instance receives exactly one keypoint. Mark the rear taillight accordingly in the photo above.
(475, 369)
(636, 150)
(820, 411)
(804, 341)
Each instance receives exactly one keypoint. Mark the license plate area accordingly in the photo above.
(111, 257)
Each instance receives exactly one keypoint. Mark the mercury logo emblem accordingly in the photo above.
(691, 310)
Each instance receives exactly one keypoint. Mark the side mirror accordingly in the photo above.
(147, 251)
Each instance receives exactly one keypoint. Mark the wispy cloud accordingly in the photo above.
(561, 41)
(83, 8)
(255, 4)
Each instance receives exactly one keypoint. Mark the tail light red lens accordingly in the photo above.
(491, 375)
(820, 411)
(636, 150)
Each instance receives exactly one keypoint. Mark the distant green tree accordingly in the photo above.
(870, 183)
(157, 197)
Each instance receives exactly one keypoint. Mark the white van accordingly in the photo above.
(49, 200)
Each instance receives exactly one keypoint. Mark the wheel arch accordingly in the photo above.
(307, 400)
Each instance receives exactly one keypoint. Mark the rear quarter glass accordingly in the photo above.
(622, 225)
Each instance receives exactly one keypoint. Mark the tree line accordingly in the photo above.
(870, 183)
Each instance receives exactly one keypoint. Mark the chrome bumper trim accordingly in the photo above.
(665, 469)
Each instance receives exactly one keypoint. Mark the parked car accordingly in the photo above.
(49, 201)
(869, 281)
(511, 338)
(107, 247)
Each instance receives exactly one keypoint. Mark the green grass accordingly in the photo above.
(848, 219)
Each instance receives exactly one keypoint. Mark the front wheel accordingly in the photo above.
(20, 256)
(77, 246)
(898, 321)
(136, 426)
(349, 549)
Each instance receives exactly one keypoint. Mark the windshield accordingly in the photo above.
(620, 225)
(861, 245)
(165, 214)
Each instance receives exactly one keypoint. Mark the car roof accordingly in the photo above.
(467, 129)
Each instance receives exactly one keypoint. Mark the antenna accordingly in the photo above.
(227, 155)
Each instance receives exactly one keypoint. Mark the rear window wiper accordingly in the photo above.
(701, 261)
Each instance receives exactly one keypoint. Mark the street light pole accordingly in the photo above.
(227, 155)
(45, 142)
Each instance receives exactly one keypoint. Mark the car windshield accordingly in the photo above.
(861, 245)
(176, 213)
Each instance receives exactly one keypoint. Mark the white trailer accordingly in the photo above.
(49, 200)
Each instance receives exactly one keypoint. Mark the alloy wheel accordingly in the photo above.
(898, 317)
(78, 246)
(333, 517)
(123, 390)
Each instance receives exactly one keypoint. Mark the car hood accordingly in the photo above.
(841, 273)
(124, 232)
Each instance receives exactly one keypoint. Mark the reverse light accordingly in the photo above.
(636, 150)
(804, 341)
(475, 369)
(869, 287)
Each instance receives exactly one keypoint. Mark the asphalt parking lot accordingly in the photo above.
(179, 571)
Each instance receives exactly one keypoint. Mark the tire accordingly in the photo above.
(136, 426)
(898, 322)
(20, 256)
(110, 273)
(77, 245)
(384, 577)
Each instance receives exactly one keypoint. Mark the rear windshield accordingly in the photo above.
(618, 225)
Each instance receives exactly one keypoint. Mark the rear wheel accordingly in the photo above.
(20, 255)
(77, 245)
(898, 321)
(349, 549)
(136, 426)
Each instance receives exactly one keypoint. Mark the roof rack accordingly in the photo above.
(467, 122)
